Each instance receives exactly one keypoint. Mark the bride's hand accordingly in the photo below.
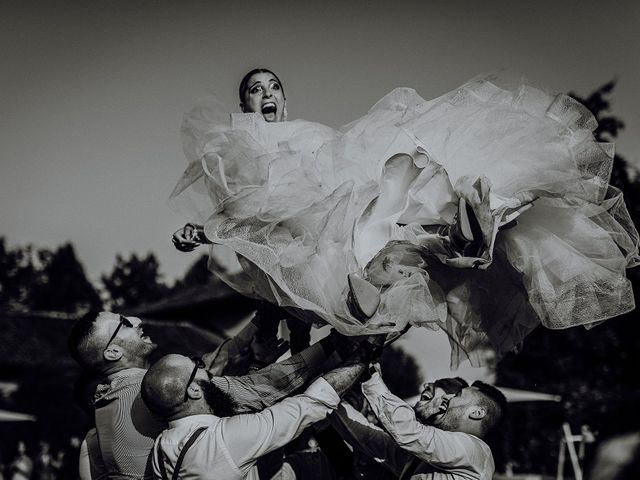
(188, 237)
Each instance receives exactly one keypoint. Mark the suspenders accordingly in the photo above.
(410, 468)
(176, 469)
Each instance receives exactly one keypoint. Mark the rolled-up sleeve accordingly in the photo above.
(269, 385)
(251, 436)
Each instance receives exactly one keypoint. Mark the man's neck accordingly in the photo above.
(191, 411)
(111, 370)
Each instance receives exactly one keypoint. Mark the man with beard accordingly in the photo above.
(440, 438)
(117, 350)
(204, 441)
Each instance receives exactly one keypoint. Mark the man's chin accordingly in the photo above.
(427, 418)
(149, 348)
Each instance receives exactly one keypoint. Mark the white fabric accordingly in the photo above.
(229, 448)
(90, 466)
(305, 205)
(126, 428)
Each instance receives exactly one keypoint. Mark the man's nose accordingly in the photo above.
(428, 386)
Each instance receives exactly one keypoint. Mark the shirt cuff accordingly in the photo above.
(322, 391)
(374, 386)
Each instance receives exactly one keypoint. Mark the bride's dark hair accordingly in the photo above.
(245, 81)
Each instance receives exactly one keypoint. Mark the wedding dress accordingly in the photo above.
(304, 205)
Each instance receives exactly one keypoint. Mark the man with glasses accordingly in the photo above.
(204, 441)
(117, 350)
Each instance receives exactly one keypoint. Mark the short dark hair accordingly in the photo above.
(451, 385)
(494, 402)
(79, 337)
(245, 81)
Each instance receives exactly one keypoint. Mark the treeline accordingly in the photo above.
(42, 279)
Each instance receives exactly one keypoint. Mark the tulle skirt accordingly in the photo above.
(304, 205)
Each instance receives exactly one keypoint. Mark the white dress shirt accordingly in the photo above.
(230, 447)
(443, 454)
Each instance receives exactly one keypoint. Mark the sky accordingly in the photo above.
(92, 92)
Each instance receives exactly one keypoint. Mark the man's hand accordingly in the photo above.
(369, 350)
(189, 237)
(344, 346)
(268, 350)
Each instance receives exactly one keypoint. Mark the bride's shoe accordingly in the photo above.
(363, 298)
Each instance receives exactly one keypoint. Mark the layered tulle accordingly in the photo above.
(304, 205)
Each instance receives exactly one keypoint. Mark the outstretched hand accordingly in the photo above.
(188, 237)
(370, 349)
(268, 350)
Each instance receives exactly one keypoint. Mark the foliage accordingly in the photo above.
(134, 281)
(608, 128)
(400, 372)
(42, 279)
(593, 370)
(199, 273)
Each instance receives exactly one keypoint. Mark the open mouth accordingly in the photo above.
(146, 339)
(269, 108)
(444, 405)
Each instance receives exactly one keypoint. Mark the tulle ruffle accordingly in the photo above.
(304, 205)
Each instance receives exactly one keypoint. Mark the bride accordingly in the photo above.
(483, 212)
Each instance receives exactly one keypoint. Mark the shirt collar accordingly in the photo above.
(200, 419)
(122, 378)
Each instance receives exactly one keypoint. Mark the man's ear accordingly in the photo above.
(194, 391)
(477, 413)
(113, 353)
(243, 108)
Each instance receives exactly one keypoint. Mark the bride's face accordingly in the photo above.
(264, 95)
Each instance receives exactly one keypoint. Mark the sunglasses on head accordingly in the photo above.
(122, 321)
(198, 363)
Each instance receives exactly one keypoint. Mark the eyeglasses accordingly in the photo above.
(198, 363)
(123, 321)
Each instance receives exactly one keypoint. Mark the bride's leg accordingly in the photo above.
(363, 298)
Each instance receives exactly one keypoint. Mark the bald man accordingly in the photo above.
(204, 441)
(117, 350)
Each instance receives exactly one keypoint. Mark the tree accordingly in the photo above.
(593, 370)
(400, 372)
(197, 274)
(608, 128)
(61, 283)
(42, 279)
(134, 281)
(16, 274)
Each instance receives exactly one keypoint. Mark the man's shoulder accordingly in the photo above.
(468, 437)
(125, 383)
(183, 428)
